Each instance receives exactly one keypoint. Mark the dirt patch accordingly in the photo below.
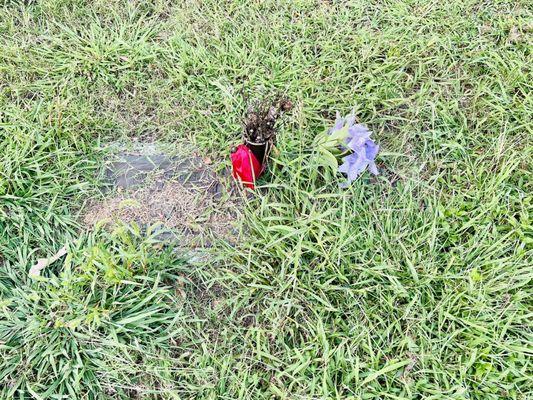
(177, 197)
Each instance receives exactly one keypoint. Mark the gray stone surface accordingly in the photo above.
(183, 193)
(132, 170)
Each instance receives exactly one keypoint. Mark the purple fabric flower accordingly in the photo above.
(362, 158)
(357, 136)
(364, 150)
(339, 123)
(354, 138)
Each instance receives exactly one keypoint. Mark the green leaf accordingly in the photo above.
(327, 159)
(326, 140)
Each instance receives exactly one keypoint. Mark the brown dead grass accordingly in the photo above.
(193, 213)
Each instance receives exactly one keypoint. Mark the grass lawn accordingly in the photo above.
(415, 284)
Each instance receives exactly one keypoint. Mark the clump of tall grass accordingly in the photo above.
(111, 297)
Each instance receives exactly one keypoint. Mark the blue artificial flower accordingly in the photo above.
(364, 150)
(357, 136)
(339, 124)
(362, 158)
(347, 136)
(353, 165)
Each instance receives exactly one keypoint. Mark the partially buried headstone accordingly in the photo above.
(177, 196)
(133, 170)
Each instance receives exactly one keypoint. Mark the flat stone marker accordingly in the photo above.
(180, 193)
(133, 170)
